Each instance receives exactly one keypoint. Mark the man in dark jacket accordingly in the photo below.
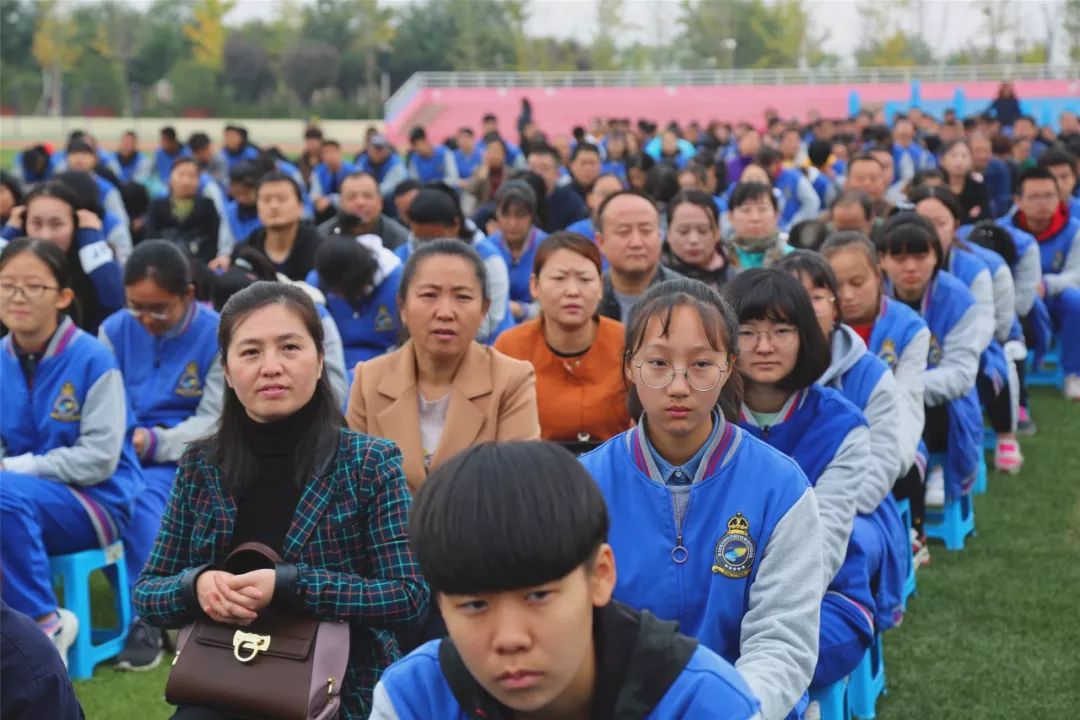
(564, 205)
(360, 212)
(628, 233)
(288, 242)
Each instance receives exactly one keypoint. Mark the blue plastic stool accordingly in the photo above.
(868, 682)
(1050, 372)
(833, 701)
(909, 583)
(989, 440)
(953, 522)
(979, 488)
(93, 645)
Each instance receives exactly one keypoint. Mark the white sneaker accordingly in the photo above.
(65, 635)
(813, 711)
(1072, 387)
(935, 487)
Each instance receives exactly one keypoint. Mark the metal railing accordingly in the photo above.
(793, 76)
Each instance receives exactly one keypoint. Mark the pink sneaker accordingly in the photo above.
(1007, 457)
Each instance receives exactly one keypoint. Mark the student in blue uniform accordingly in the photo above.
(114, 228)
(431, 163)
(867, 383)
(82, 158)
(985, 275)
(518, 238)
(532, 627)
(712, 527)
(360, 279)
(468, 154)
(31, 166)
(134, 165)
(242, 211)
(166, 346)
(68, 472)
(380, 161)
(895, 334)
(799, 201)
(782, 353)
(236, 148)
(54, 213)
(912, 258)
(329, 175)
(169, 149)
(1041, 213)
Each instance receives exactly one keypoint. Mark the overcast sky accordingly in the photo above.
(947, 24)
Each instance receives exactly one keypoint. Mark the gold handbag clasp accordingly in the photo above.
(249, 643)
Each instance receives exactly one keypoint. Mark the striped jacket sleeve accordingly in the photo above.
(392, 590)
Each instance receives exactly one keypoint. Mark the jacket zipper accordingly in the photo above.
(679, 553)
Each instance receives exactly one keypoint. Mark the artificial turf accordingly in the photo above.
(993, 632)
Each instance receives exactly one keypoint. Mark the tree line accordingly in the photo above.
(338, 58)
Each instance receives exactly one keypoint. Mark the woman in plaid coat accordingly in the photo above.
(282, 470)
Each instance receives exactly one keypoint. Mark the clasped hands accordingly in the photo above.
(234, 599)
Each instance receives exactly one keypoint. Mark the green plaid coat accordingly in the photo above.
(347, 539)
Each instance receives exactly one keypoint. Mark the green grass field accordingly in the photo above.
(992, 632)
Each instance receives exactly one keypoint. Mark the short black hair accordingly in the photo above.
(79, 146)
(313, 133)
(808, 234)
(819, 151)
(770, 294)
(817, 269)
(583, 147)
(1052, 157)
(405, 186)
(745, 192)
(863, 156)
(1039, 172)
(907, 233)
(198, 141)
(466, 130)
(546, 149)
(943, 195)
(622, 193)
(507, 516)
(346, 268)
(433, 206)
(161, 261)
(169, 132)
(417, 133)
(244, 173)
(768, 156)
(859, 198)
(990, 235)
(277, 176)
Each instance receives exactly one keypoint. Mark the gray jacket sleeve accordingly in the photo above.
(910, 374)
(119, 239)
(171, 442)
(983, 290)
(226, 241)
(451, 176)
(778, 643)
(809, 202)
(382, 708)
(334, 357)
(1027, 277)
(115, 204)
(1004, 303)
(94, 456)
(1069, 277)
(393, 177)
(956, 373)
(498, 279)
(836, 490)
(882, 412)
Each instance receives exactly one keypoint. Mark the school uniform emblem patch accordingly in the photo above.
(189, 384)
(933, 359)
(66, 406)
(888, 353)
(384, 322)
(734, 556)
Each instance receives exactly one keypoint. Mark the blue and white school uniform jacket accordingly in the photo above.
(799, 199)
(388, 175)
(966, 265)
(440, 167)
(868, 384)
(830, 440)
(466, 164)
(137, 168)
(1061, 259)
(743, 572)
(374, 326)
(163, 163)
(901, 340)
(110, 199)
(73, 425)
(520, 270)
(949, 310)
(327, 184)
(241, 226)
(498, 318)
(117, 235)
(174, 381)
(247, 153)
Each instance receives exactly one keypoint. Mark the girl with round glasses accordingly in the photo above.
(782, 353)
(166, 346)
(68, 473)
(713, 528)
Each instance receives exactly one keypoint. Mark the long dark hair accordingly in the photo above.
(227, 447)
(346, 268)
(717, 317)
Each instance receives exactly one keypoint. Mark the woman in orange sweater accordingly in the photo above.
(577, 354)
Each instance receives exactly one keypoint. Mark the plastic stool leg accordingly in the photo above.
(77, 600)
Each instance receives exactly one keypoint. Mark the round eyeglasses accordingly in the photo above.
(702, 376)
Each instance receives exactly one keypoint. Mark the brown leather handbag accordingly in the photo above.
(283, 666)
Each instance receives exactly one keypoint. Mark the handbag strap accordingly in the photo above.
(257, 548)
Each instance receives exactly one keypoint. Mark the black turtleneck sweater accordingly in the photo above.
(264, 511)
